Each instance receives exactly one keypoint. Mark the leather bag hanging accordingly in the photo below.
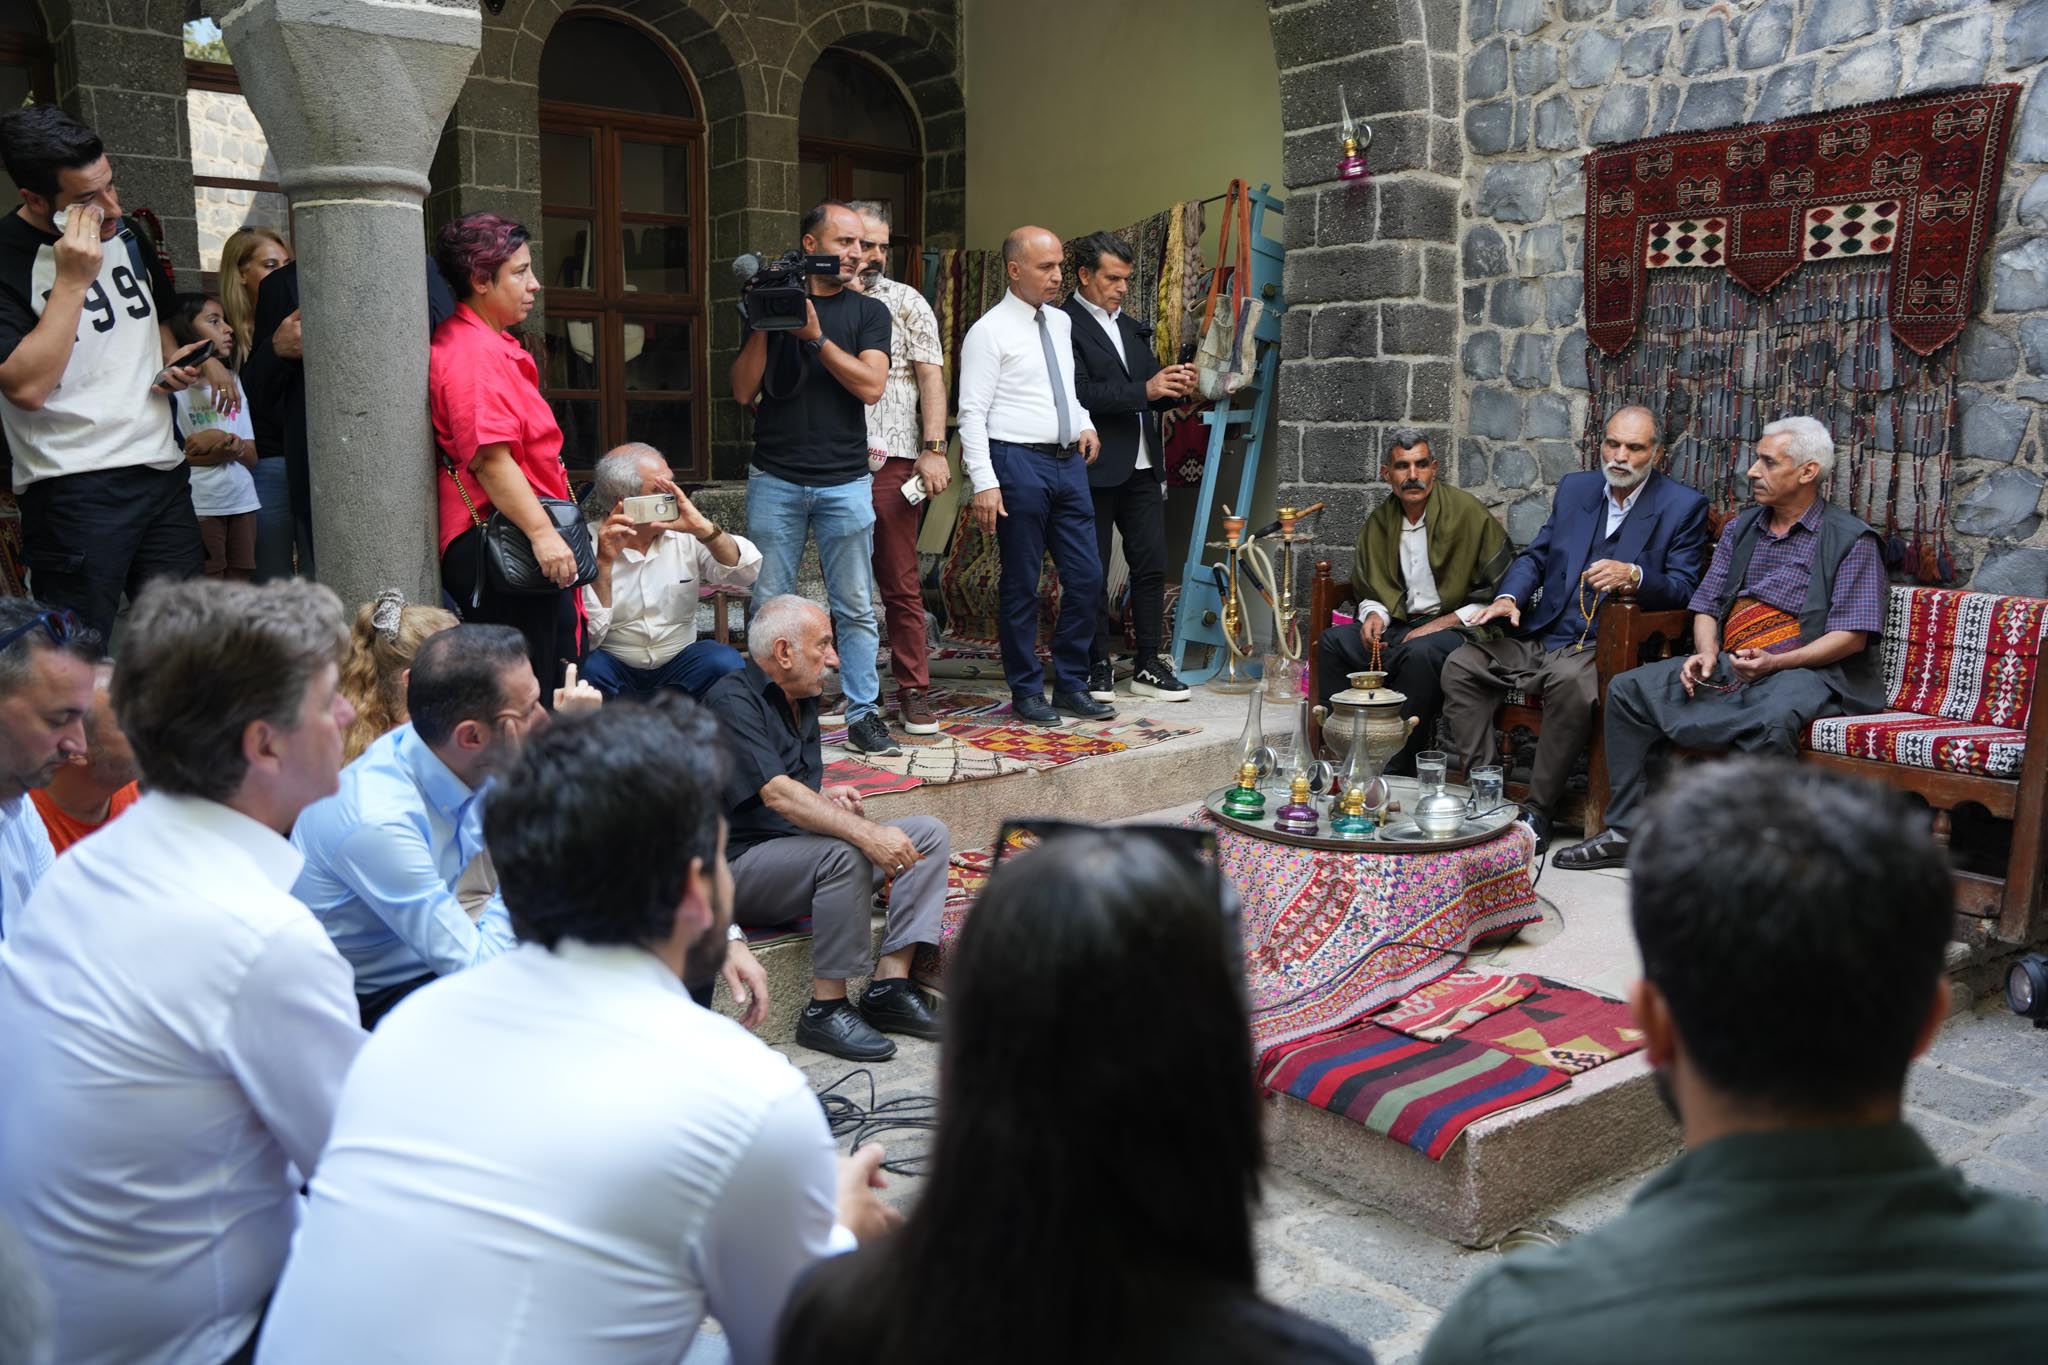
(508, 558)
(1229, 348)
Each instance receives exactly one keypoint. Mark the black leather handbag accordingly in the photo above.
(508, 559)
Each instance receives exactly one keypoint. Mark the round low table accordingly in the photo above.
(1336, 929)
(1398, 835)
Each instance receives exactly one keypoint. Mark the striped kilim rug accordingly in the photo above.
(1413, 1090)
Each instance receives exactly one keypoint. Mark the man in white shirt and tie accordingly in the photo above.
(46, 692)
(556, 1158)
(174, 1027)
(640, 615)
(1026, 443)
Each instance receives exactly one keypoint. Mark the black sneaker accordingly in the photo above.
(869, 735)
(1155, 679)
(1082, 705)
(833, 1026)
(896, 1007)
(1102, 681)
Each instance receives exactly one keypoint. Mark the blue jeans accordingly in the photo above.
(1048, 507)
(779, 515)
(700, 664)
(278, 531)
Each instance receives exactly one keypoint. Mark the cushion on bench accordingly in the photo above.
(1916, 741)
(1964, 656)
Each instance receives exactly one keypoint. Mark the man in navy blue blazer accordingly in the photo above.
(1627, 525)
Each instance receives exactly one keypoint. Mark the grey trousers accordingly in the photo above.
(1480, 674)
(1647, 710)
(828, 879)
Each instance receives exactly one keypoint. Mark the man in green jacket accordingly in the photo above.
(1426, 563)
(1792, 926)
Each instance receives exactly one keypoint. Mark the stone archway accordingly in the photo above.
(1372, 277)
(924, 59)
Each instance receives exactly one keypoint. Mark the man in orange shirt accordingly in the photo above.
(95, 786)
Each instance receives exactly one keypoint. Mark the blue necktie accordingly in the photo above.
(1059, 387)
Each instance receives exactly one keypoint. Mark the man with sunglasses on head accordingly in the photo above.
(85, 370)
(906, 441)
(174, 1027)
(46, 691)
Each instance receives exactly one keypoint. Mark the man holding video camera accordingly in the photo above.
(810, 387)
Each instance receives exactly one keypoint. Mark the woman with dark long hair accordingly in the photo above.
(1098, 1147)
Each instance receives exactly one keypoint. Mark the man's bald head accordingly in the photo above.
(1032, 257)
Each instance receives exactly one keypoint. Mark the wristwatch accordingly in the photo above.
(933, 447)
(814, 346)
(714, 533)
(735, 934)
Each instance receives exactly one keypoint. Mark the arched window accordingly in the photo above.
(234, 176)
(24, 71)
(622, 242)
(857, 138)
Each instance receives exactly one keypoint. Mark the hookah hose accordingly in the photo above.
(1287, 633)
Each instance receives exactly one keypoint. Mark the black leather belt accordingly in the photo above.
(1057, 451)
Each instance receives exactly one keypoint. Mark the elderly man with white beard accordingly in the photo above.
(1626, 526)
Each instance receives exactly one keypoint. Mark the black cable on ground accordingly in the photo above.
(868, 1122)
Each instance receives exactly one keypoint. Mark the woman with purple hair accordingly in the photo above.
(500, 448)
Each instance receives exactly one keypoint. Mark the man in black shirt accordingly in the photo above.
(810, 470)
(106, 499)
(799, 848)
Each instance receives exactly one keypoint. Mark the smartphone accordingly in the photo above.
(1187, 352)
(650, 507)
(198, 353)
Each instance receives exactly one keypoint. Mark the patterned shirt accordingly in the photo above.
(913, 340)
(1780, 566)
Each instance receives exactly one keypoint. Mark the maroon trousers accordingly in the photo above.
(896, 527)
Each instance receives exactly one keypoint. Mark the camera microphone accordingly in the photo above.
(745, 266)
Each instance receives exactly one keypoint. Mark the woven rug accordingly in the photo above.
(1412, 1090)
(1455, 1003)
(1044, 747)
(866, 779)
(1561, 1027)
(939, 760)
(966, 875)
(1332, 937)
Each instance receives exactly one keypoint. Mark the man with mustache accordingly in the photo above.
(1627, 526)
(1425, 564)
(1785, 630)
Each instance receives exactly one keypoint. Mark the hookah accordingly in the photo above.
(1245, 558)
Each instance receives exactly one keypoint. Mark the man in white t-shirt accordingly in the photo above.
(556, 1156)
(85, 375)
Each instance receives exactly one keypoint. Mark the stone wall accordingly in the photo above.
(1546, 79)
(748, 60)
(228, 142)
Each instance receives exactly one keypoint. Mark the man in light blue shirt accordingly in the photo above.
(46, 682)
(384, 852)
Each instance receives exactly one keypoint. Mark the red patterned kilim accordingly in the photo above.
(1966, 656)
(1917, 741)
(1757, 625)
(1933, 160)
(1561, 1027)
(1455, 1003)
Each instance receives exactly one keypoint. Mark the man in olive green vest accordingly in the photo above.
(1427, 561)
(1792, 925)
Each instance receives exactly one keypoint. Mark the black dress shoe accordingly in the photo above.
(896, 1007)
(1539, 824)
(833, 1026)
(1608, 848)
(1033, 710)
(1082, 705)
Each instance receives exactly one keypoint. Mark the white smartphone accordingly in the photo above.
(653, 507)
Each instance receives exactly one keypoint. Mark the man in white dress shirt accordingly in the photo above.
(640, 614)
(174, 1027)
(46, 692)
(1026, 443)
(557, 1157)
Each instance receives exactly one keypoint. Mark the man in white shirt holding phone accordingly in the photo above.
(640, 631)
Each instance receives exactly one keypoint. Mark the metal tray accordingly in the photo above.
(1400, 836)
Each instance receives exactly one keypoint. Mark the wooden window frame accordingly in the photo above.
(220, 77)
(843, 158)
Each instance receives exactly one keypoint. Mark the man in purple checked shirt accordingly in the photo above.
(1785, 630)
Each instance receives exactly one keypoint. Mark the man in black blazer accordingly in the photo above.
(1124, 388)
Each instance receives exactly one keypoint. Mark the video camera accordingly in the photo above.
(772, 294)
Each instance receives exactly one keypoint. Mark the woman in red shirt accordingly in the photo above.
(491, 420)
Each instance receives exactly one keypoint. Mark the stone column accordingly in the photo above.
(352, 97)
